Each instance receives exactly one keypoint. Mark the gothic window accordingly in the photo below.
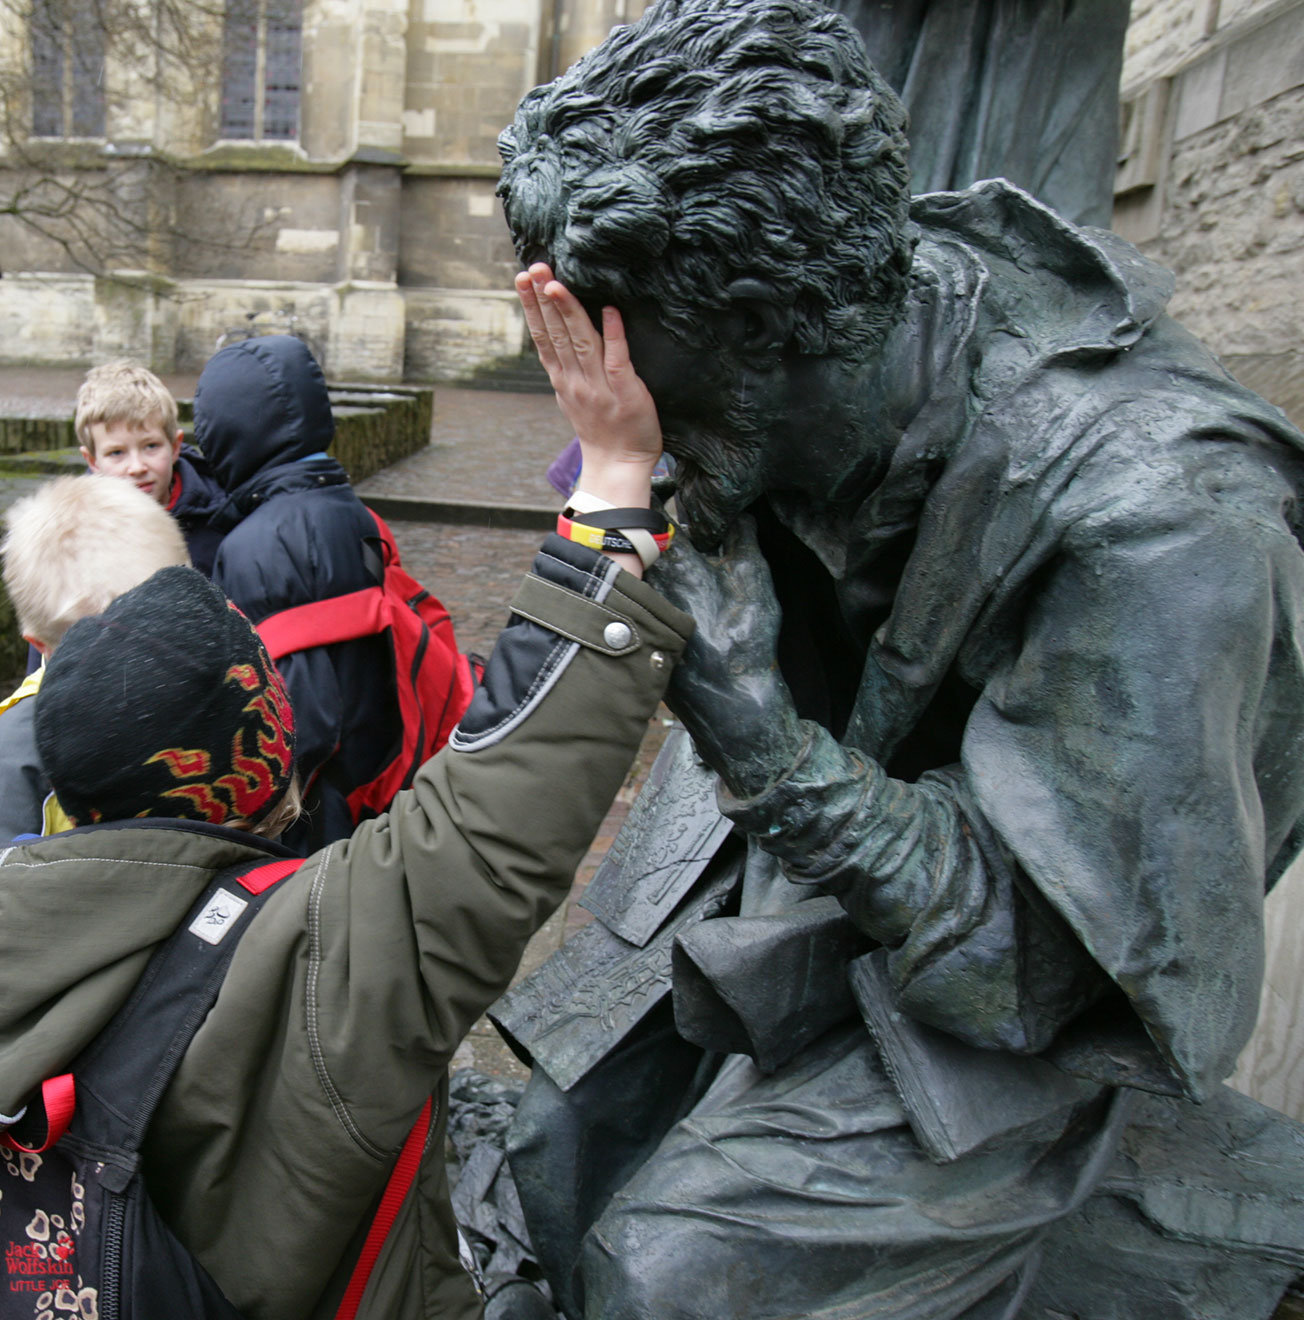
(261, 60)
(67, 70)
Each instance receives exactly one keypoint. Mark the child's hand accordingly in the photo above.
(597, 389)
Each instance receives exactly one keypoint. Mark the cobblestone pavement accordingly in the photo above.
(483, 446)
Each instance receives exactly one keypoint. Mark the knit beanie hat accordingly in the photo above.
(165, 705)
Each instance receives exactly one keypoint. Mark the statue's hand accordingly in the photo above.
(727, 689)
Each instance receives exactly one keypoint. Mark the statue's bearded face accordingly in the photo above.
(712, 423)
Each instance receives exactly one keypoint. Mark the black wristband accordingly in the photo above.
(613, 519)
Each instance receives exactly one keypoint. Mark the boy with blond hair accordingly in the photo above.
(126, 423)
(69, 550)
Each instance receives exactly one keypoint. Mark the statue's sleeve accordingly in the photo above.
(1129, 773)
(974, 949)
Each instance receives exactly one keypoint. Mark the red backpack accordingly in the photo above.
(434, 680)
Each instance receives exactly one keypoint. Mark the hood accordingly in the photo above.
(80, 914)
(311, 474)
(260, 403)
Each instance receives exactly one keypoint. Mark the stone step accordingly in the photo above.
(475, 513)
(23, 434)
(49, 462)
(375, 426)
(515, 375)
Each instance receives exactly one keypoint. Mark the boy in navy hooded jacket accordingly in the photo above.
(295, 533)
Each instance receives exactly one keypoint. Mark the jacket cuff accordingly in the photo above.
(573, 598)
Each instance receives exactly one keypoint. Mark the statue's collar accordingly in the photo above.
(1116, 292)
(914, 397)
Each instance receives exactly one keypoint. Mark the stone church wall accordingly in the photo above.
(1211, 177)
(378, 228)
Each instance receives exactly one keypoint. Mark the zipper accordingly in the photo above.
(111, 1283)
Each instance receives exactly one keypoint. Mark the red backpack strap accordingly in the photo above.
(337, 618)
(59, 1097)
(323, 622)
(400, 1180)
(270, 873)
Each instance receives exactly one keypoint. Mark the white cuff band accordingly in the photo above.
(582, 502)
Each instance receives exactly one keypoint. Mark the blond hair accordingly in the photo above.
(282, 815)
(123, 392)
(77, 544)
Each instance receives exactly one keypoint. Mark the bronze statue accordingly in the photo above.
(1023, 89)
(917, 971)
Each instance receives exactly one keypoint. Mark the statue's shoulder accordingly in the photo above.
(1046, 265)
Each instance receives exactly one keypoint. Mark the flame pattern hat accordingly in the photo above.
(166, 704)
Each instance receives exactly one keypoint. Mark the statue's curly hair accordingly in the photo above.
(714, 140)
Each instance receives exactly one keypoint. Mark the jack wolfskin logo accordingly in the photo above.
(218, 916)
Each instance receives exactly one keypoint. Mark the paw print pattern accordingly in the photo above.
(48, 1242)
(65, 1299)
(22, 1163)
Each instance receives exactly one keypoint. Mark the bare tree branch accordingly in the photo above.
(105, 210)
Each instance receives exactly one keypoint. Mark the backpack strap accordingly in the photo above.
(130, 1063)
(324, 622)
(263, 877)
(400, 1181)
(336, 618)
(59, 1101)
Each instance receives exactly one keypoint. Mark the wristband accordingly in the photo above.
(619, 531)
(613, 519)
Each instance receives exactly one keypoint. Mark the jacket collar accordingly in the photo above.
(313, 473)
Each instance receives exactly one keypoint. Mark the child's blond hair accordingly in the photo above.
(77, 544)
(123, 392)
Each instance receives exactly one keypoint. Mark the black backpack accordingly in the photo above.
(80, 1236)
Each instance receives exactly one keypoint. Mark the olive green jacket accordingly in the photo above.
(358, 979)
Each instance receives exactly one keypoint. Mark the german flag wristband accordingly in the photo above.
(619, 531)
